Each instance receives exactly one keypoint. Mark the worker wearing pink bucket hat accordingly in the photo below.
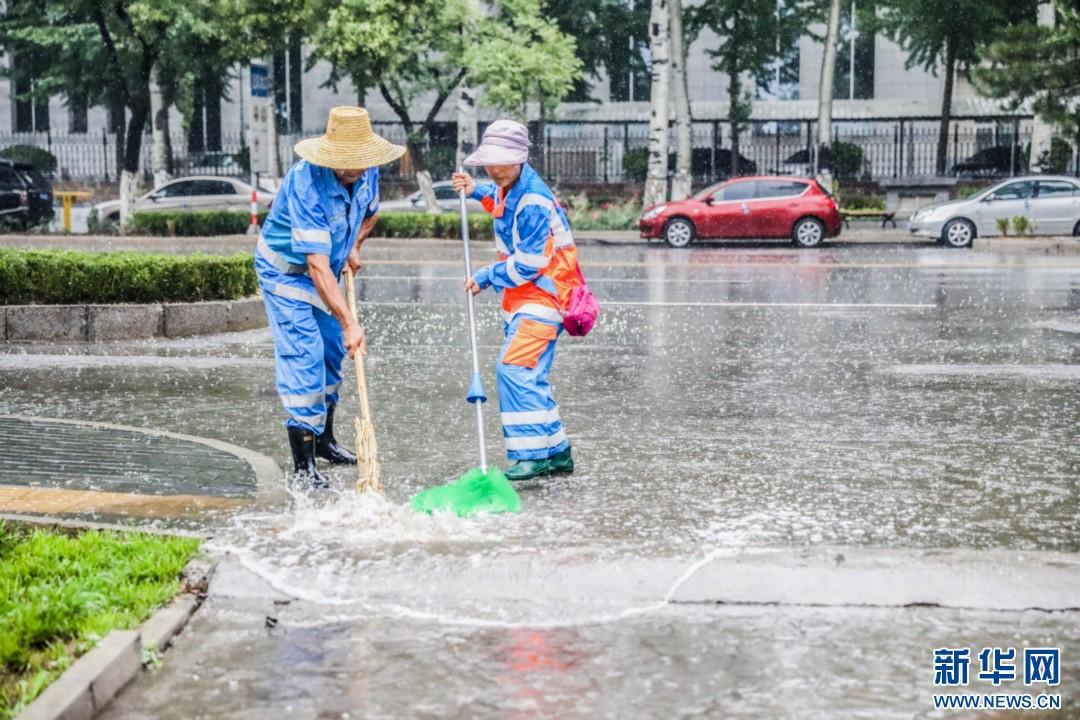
(537, 272)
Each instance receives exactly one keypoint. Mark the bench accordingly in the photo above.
(886, 216)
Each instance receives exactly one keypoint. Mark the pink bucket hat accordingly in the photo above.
(505, 142)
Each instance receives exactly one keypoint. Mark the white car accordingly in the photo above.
(444, 193)
(204, 192)
(1050, 203)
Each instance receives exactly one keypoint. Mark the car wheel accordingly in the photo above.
(808, 232)
(958, 233)
(679, 232)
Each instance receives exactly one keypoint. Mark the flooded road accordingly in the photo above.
(900, 398)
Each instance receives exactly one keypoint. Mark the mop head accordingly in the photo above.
(474, 492)
(367, 464)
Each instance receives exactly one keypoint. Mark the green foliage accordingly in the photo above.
(63, 593)
(61, 277)
(861, 201)
(847, 159)
(192, 223)
(1021, 224)
(752, 36)
(617, 215)
(428, 225)
(635, 163)
(523, 56)
(40, 158)
(1003, 225)
(1061, 155)
(610, 35)
(1038, 63)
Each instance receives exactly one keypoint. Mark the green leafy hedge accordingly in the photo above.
(40, 158)
(58, 277)
(195, 223)
(427, 225)
(205, 223)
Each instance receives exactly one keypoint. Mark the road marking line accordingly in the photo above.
(592, 262)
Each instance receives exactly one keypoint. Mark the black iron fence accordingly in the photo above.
(616, 152)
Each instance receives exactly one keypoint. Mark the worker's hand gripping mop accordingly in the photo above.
(367, 462)
(484, 488)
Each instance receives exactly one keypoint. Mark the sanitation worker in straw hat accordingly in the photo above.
(326, 206)
(536, 272)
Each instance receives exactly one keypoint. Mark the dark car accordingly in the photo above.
(14, 196)
(40, 193)
(991, 162)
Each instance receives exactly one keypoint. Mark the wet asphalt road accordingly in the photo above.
(898, 397)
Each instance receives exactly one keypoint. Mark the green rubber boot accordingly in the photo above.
(561, 463)
(527, 470)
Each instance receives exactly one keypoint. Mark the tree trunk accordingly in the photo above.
(946, 108)
(681, 184)
(735, 120)
(1042, 132)
(656, 178)
(159, 151)
(823, 163)
(129, 174)
(467, 133)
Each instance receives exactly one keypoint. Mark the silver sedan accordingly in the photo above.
(1051, 205)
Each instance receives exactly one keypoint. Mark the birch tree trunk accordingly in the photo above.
(159, 151)
(1042, 132)
(659, 42)
(682, 183)
(825, 97)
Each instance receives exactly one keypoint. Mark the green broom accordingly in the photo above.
(482, 489)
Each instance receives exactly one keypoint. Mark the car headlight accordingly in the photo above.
(653, 212)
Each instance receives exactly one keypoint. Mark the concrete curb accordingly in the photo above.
(1056, 245)
(97, 677)
(100, 323)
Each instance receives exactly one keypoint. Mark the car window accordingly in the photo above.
(779, 188)
(212, 187)
(1056, 188)
(746, 190)
(176, 189)
(1015, 191)
(8, 178)
(445, 192)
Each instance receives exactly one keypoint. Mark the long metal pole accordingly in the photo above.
(478, 401)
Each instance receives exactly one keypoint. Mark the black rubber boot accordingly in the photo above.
(302, 443)
(326, 445)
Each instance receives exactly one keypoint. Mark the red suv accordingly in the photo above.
(751, 207)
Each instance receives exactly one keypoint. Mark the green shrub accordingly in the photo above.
(191, 223)
(847, 159)
(1003, 225)
(1061, 155)
(1021, 225)
(861, 201)
(635, 164)
(612, 215)
(58, 277)
(40, 158)
(428, 225)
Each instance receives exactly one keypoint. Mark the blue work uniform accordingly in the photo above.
(536, 272)
(312, 214)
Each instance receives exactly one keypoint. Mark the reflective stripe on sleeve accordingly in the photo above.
(314, 237)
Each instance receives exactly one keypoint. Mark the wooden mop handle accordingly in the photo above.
(358, 362)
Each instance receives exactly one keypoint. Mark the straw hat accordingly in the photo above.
(349, 143)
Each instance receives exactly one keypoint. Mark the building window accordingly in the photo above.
(855, 49)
